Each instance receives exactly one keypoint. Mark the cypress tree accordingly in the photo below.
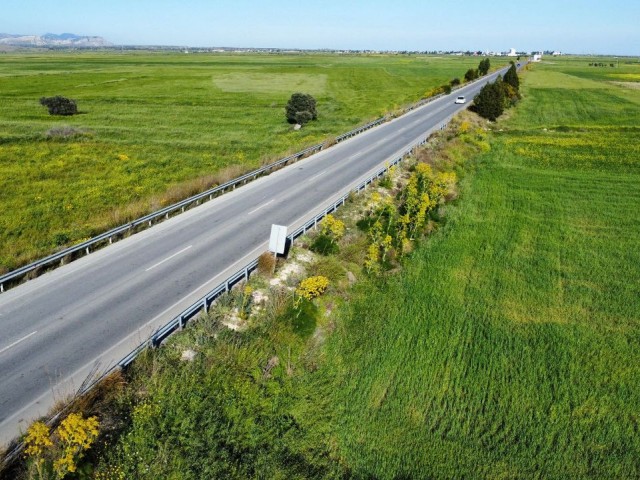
(490, 101)
(511, 77)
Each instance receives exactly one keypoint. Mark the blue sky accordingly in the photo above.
(574, 26)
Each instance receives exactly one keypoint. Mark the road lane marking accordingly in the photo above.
(18, 341)
(317, 175)
(261, 206)
(168, 258)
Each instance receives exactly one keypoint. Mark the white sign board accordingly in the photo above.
(278, 238)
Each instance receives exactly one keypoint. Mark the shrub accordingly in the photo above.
(298, 104)
(59, 105)
(65, 132)
(490, 101)
(333, 227)
(74, 435)
(454, 82)
(470, 75)
(267, 263)
(511, 78)
(312, 287)
(324, 245)
(484, 66)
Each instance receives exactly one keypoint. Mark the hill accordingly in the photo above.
(53, 40)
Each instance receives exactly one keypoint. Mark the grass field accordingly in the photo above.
(509, 346)
(155, 127)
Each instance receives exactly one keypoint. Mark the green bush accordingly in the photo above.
(471, 75)
(324, 245)
(511, 77)
(59, 105)
(490, 102)
(484, 66)
(301, 106)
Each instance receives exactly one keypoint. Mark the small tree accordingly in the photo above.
(511, 77)
(484, 66)
(490, 102)
(470, 75)
(454, 82)
(59, 105)
(301, 108)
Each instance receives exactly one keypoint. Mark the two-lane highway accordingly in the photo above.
(57, 327)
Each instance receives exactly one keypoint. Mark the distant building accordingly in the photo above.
(512, 53)
(537, 57)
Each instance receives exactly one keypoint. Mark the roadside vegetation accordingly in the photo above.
(154, 128)
(499, 341)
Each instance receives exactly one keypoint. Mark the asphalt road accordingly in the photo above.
(58, 328)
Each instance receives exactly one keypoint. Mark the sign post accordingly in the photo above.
(278, 239)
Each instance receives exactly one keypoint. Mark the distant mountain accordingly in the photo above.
(53, 40)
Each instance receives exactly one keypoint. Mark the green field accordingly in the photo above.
(509, 347)
(506, 347)
(156, 127)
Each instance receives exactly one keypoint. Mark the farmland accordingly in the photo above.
(507, 347)
(156, 127)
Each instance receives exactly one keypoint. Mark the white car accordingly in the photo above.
(461, 100)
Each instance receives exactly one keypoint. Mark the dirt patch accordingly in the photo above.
(630, 85)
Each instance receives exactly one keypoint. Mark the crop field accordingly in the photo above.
(156, 127)
(509, 347)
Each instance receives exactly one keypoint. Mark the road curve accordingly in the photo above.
(58, 328)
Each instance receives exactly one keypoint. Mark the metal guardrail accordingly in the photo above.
(203, 304)
(146, 221)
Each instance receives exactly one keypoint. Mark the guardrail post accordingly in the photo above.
(110, 240)
(1, 287)
(181, 322)
(87, 250)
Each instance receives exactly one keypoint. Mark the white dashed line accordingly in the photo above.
(18, 341)
(168, 258)
(261, 206)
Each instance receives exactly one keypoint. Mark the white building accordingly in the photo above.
(537, 57)
(512, 53)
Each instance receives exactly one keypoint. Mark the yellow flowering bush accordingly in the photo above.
(76, 434)
(37, 442)
(371, 262)
(332, 227)
(312, 287)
